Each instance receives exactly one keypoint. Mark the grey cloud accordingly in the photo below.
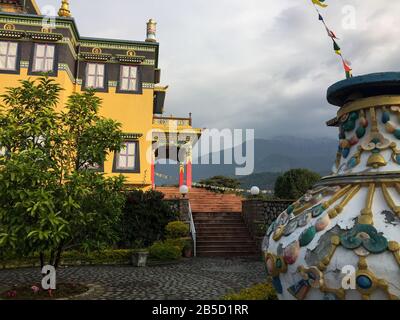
(251, 64)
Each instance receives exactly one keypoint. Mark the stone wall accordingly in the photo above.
(259, 214)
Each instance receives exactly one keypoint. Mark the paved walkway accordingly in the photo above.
(192, 279)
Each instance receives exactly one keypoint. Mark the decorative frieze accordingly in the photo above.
(133, 136)
(44, 36)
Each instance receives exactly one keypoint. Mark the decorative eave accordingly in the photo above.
(95, 56)
(24, 18)
(130, 59)
(133, 136)
(333, 122)
(12, 34)
(44, 36)
(161, 89)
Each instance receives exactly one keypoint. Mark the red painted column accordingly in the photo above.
(189, 173)
(181, 174)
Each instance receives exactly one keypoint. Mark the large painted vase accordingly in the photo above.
(341, 239)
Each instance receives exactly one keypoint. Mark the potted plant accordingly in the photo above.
(188, 249)
(139, 257)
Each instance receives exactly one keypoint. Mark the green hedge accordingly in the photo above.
(115, 256)
(165, 251)
(263, 291)
(181, 243)
(177, 229)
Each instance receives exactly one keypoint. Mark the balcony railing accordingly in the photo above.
(173, 121)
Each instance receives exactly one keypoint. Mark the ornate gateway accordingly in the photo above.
(341, 239)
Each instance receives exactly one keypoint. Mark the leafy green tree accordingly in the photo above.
(221, 181)
(295, 183)
(50, 199)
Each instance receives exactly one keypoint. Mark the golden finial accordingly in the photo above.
(64, 10)
(151, 31)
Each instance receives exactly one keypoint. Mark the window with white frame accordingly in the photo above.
(126, 158)
(43, 60)
(129, 76)
(8, 55)
(95, 75)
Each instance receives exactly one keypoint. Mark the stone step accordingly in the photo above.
(250, 250)
(218, 222)
(225, 253)
(230, 242)
(222, 228)
(203, 234)
(221, 224)
(218, 238)
(220, 214)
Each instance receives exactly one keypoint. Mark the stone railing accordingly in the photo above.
(259, 214)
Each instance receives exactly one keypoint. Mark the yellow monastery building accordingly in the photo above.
(125, 75)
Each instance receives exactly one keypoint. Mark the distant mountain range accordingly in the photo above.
(272, 157)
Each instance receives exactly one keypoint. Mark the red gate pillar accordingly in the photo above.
(189, 178)
(181, 174)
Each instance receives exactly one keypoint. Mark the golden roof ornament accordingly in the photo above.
(151, 31)
(64, 10)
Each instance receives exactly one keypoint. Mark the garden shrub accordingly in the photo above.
(176, 229)
(181, 243)
(263, 291)
(103, 256)
(144, 218)
(165, 251)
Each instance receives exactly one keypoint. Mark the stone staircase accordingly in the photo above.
(223, 234)
(221, 230)
(202, 200)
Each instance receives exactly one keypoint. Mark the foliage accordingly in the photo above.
(177, 229)
(261, 291)
(188, 244)
(145, 216)
(221, 181)
(49, 199)
(74, 257)
(263, 180)
(294, 183)
(102, 256)
(181, 243)
(165, 251)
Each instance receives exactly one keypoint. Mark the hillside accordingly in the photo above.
(271, 156)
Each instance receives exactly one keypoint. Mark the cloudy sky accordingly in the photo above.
(259, 64)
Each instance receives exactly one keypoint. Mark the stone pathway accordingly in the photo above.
(192, 279)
